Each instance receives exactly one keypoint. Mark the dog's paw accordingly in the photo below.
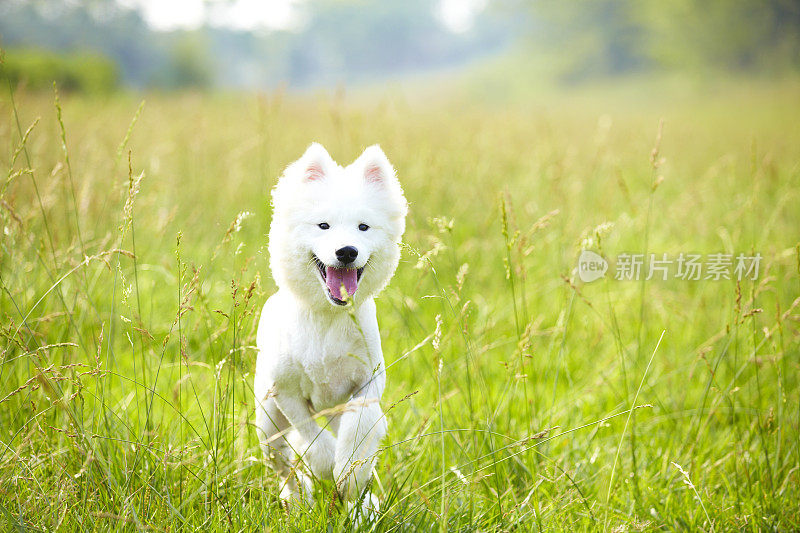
(297, 489)
(319, 456)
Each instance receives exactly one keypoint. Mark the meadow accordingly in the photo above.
(134, 265)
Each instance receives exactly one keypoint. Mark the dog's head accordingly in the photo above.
(336, 231)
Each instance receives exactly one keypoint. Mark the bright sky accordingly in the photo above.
(236, 14)
(457, 15)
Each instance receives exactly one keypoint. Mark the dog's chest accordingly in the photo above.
(334, 363)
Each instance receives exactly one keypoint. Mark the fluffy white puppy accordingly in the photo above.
(333, 244)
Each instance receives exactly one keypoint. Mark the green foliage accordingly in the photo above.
(595, 38)
(352, 39)
(188, 66)
(38, 69)
(518, 398)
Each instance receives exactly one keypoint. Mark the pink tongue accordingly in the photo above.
(335, 277)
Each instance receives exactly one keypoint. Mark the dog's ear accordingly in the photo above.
(316, 162)
(375, 166)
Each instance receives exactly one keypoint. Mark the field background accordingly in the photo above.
(134, 208)
(132, 283)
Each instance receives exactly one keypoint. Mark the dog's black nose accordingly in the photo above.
(347, 254)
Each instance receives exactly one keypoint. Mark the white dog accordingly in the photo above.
(333, 244)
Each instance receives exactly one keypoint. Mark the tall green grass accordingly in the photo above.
(134, 266)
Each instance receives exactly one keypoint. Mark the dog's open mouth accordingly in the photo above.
(341, 282)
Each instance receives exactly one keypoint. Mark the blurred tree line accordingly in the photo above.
(80, 71)
(354, 40)
(609, 37)
(60, 33)
(339, 40)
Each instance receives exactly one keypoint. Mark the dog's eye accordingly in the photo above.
(363, 227)
(324, 225)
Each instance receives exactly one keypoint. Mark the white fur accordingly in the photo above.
(316, 356)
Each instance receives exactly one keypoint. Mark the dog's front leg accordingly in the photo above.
(320, 444)
(361, 428)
